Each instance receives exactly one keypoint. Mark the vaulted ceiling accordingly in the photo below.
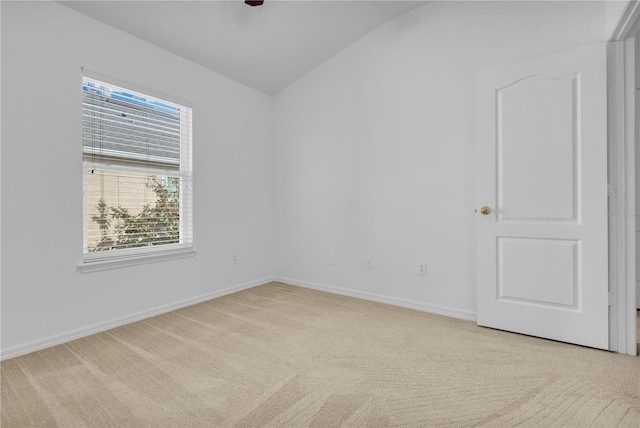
(266, 47)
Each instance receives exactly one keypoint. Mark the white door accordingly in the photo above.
(542, 173)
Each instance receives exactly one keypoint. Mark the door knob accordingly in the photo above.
(485, 210)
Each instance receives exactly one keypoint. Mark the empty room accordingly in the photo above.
(319, 213)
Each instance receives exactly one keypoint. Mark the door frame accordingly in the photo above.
(623, 130)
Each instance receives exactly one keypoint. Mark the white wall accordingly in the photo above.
(44, 297)
(375, 149)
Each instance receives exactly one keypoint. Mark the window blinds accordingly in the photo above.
(137, 173)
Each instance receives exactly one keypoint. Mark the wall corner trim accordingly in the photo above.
(394, 301)
(57, 339)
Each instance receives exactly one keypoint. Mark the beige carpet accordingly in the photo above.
(279, 355)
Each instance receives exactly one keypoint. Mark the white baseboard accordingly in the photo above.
(395, 301)
(58, 339)
(47, 342)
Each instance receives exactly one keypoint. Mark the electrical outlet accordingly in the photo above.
(422, 268)
(330, 260)
(368, 263)
(234, 259)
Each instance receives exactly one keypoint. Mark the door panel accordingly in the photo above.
(520, 278)
(536, 120)
(541, 168)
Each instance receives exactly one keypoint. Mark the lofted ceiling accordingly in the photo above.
(265, 47)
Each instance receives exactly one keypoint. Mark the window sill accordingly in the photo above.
(95, 266)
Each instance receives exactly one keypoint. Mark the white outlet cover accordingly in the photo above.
(422, 268)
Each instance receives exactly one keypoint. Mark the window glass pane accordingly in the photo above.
(131, 210)
(125, 128)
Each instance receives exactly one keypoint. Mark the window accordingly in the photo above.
(137, 176)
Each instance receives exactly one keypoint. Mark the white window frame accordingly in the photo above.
(105, 260)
